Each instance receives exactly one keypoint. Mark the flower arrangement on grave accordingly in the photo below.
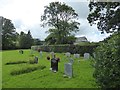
(48, 58)
(58, 59)
(39, 50)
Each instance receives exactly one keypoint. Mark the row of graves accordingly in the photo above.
(68, 67)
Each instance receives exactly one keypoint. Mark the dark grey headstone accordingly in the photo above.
(36, 59)
(68, 70)
(54, 64)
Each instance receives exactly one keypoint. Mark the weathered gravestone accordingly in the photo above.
(86, 55)
(36, 59)
(21, 52)
(71, 60)
(52, 54)
(77, 55)
(40, 53)
(68, 70)
(54, 64)
(67, 54)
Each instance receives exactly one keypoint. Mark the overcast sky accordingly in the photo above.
(25, 15)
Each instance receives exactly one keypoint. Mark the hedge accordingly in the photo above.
(66, 48)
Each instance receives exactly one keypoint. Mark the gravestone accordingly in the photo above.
(77, 55)
(36, 59)
(86, 55)
(40, 53)
(21, 52)
(52, 54)
(68, 70)
(67, 54)
(71, 60)
(54, 64)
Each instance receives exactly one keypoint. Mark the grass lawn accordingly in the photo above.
(45, 78)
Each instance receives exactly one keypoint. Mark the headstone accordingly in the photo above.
(54, 64)
(52, 54)
(36, 59)
(94, 55)
(21, 51)
(86, 55)
(71, 60)
(77, 55)
(68, 70)
(40, 53)
(67, 54)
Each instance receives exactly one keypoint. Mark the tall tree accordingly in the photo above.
(25, 40)
(8, 34)
(107, 60)
(62, 19)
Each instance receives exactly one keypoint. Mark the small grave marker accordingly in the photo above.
(86, 55)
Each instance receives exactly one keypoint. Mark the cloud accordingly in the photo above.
(25, 15)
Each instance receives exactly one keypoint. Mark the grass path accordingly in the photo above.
(45, 78)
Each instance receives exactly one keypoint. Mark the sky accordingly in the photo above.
(25, 15)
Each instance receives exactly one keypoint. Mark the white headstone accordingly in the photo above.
(86, 55)
(77, 55)
(40, 53)
(67, 54)
(68, 70)
(52, 54)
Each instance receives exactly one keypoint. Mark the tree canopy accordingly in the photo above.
(62, 19)
(8, 34)
(106, 15)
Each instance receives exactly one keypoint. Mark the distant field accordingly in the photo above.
(45, 78)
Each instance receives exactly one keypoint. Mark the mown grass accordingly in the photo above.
(44, 78)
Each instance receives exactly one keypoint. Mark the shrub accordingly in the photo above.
(67, 48)
(107, 63)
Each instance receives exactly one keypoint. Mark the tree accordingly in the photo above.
(25, 40)
(62, 19)
(107, 14)
(8, 34)
(37, 42)
(107, 61)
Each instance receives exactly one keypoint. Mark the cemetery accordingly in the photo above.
(52, 70)
(57, 44)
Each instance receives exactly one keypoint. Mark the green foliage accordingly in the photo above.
(107, 15)
(25, 40)
(26, 70)
(67, 48)
(107, 63)
(62, 18)
(8, 34)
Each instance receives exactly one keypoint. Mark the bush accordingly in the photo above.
(107, 63)
(66, 48)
